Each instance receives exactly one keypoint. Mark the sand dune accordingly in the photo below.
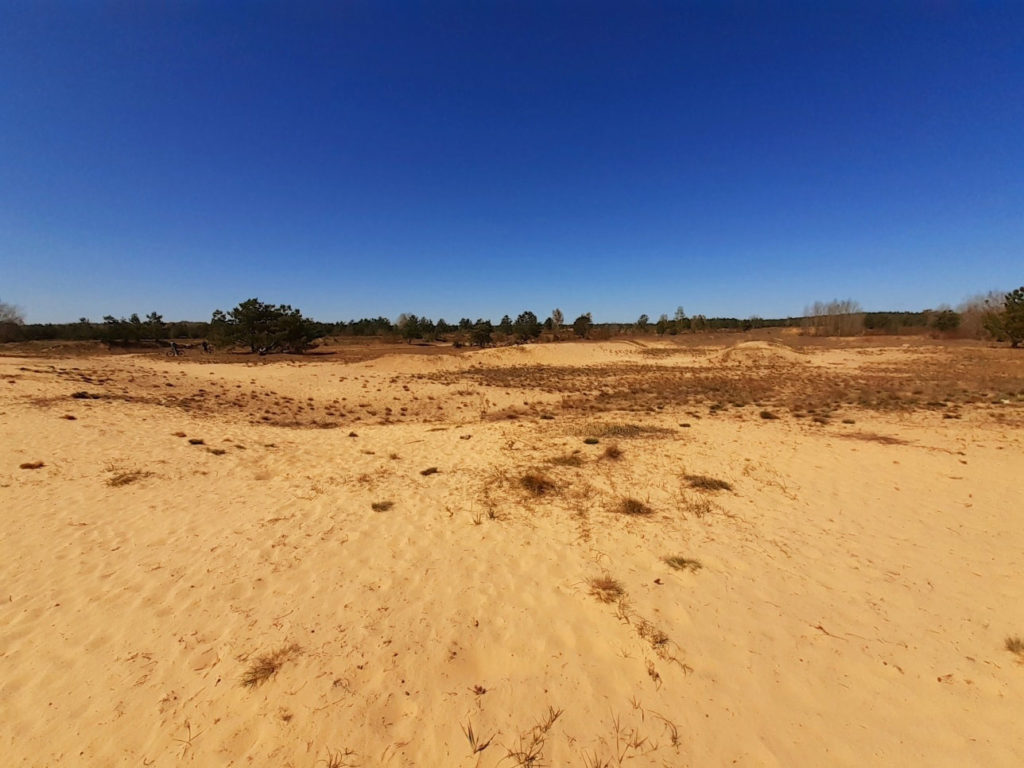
(845, 602)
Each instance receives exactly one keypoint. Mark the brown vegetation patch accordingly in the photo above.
(613, 452)
(875, 437)
(706, 483)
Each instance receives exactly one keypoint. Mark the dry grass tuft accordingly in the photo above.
(528, 751)
(706, 483)
(267, 665)
(874, 437)
(31, 465)
(683, 563)
(634, 507)
(382, 506)
(122, 477)
(606, 589)
(698, 506)
(537, 484)
(613, 452)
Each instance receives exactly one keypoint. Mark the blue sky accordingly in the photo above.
(472, 159)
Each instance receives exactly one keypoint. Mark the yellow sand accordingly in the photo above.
(851, 607)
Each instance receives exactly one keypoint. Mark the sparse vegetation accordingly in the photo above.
(537, 483)
(529, 748)
(680, 563)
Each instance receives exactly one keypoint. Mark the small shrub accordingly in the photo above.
(705, 483)
(633, 507)
(606, 589)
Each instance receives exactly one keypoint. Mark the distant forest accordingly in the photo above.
(266, 327)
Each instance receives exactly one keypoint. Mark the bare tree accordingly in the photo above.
(834, 318)
(556, 319)
(11, 314)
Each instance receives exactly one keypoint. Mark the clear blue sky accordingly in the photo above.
(473, 159)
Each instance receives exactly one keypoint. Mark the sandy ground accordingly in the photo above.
(295, 590)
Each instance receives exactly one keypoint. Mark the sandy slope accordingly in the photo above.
(851, 606)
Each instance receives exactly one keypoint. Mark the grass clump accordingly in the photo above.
(606, 589)
(567, 460)
(680, 563)
(633, 507)
(382, 506)
(706, 483)
(267, 665)
(536, 483)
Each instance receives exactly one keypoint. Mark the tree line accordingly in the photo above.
(263, 327)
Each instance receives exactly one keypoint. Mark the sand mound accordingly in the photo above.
(759, 353)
